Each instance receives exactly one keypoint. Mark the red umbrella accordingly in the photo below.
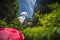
(10, 34)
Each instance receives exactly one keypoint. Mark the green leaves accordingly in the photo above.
(50, 19)
(8, 9)
(39, 33)
(3, 24)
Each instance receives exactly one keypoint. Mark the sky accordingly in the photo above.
(26, 9)
(28, 6)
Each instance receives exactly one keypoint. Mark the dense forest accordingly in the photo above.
(45, 23)
(9, 13)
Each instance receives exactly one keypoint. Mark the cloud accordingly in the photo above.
(26, 9)
(21, 19)
(23, 16)
(24, 13)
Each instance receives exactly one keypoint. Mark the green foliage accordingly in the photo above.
(46, 26)
(3, 24)
(54, 6)
(8, 9)
(36, 19)
(9, 14)
(49, 19)
(48, 22)
(39, 33)
(15, 24)
(52, 19)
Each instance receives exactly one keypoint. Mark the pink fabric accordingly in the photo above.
(10, 34)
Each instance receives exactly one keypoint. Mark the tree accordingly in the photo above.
(50, 18)
(8, 9)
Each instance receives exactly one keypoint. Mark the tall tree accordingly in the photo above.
(43, 15)
(8, 9)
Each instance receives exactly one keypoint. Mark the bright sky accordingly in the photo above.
(26, 9)
(28, 6)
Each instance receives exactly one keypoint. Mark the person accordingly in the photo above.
(10, 34)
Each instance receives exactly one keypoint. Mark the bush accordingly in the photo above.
(16, 24)
(48, 19)
(13, 24)
(39, 33)
(52, 19)
(3, 23)
(8, 9)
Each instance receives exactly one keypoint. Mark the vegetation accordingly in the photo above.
(9, 14)
(46, 19)
(8, 10)
(46, 23)
(40, 33)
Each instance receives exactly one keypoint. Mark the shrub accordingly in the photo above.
(13, 24)
(51, 19)
(3, 23)
(39, 33)
(48, 19)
